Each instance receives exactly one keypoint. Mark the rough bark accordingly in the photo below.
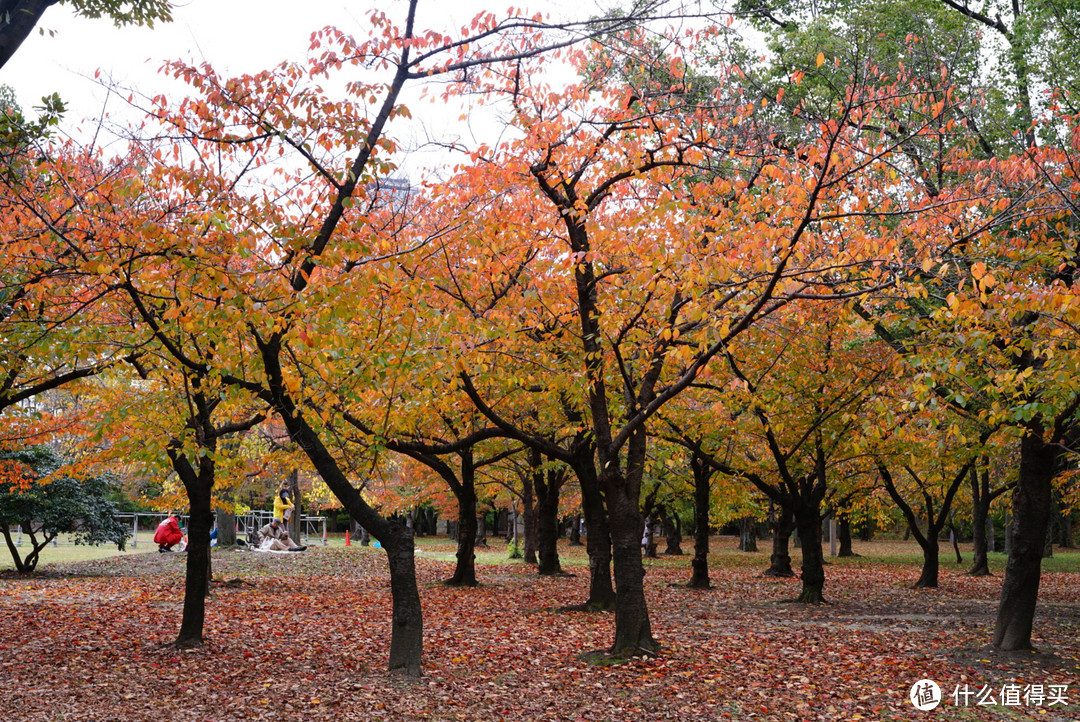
(547, 488)
(198, 483)
(808, 524)
(598, 541)
(633, 631)
(699, 566)
(1031, 502)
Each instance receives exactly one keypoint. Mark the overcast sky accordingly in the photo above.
(235, 36)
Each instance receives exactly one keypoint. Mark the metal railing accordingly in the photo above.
(145, 523)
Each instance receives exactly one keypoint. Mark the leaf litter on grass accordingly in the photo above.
(308, 635)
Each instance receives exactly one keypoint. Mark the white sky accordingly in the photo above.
(235, 36)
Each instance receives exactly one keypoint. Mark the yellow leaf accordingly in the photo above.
(820, 59)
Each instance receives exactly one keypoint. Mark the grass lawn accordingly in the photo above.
(305, 636)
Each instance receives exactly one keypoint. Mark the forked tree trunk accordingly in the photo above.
(1031, 504)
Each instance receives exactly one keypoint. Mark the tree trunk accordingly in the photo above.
(747, 534)
(980, 522)
(467, 529)
(1031, 512)
(844, 535)
(575, 530)
(226, 525)
(198, 485)
(780, 560)
(407, 635)
(528, 508)
(699, 566)
(18, 25)
(480, 529)
(633, 632)
(808, 523)
(1048, 545)
(407, 626)
(547, 521)
(648, 539)
(1065, 540)
(929, 543)
(295, 526)
(465, 492)
(598, 540)
(672, 535)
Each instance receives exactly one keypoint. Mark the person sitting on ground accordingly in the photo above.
(168, 534)
(274, 537)
(283, 506)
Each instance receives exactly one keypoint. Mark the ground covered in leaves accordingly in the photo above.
(305, 636)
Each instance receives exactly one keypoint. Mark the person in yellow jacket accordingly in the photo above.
(283, 505)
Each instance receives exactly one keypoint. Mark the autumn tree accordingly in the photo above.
(1006, 126)
(39, 498)
(929, 485)
(281, 269)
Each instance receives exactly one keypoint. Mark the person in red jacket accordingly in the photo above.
(168, 534)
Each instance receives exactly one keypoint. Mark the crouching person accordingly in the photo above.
(274, 537)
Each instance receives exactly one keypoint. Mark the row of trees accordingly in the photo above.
(841, 271)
